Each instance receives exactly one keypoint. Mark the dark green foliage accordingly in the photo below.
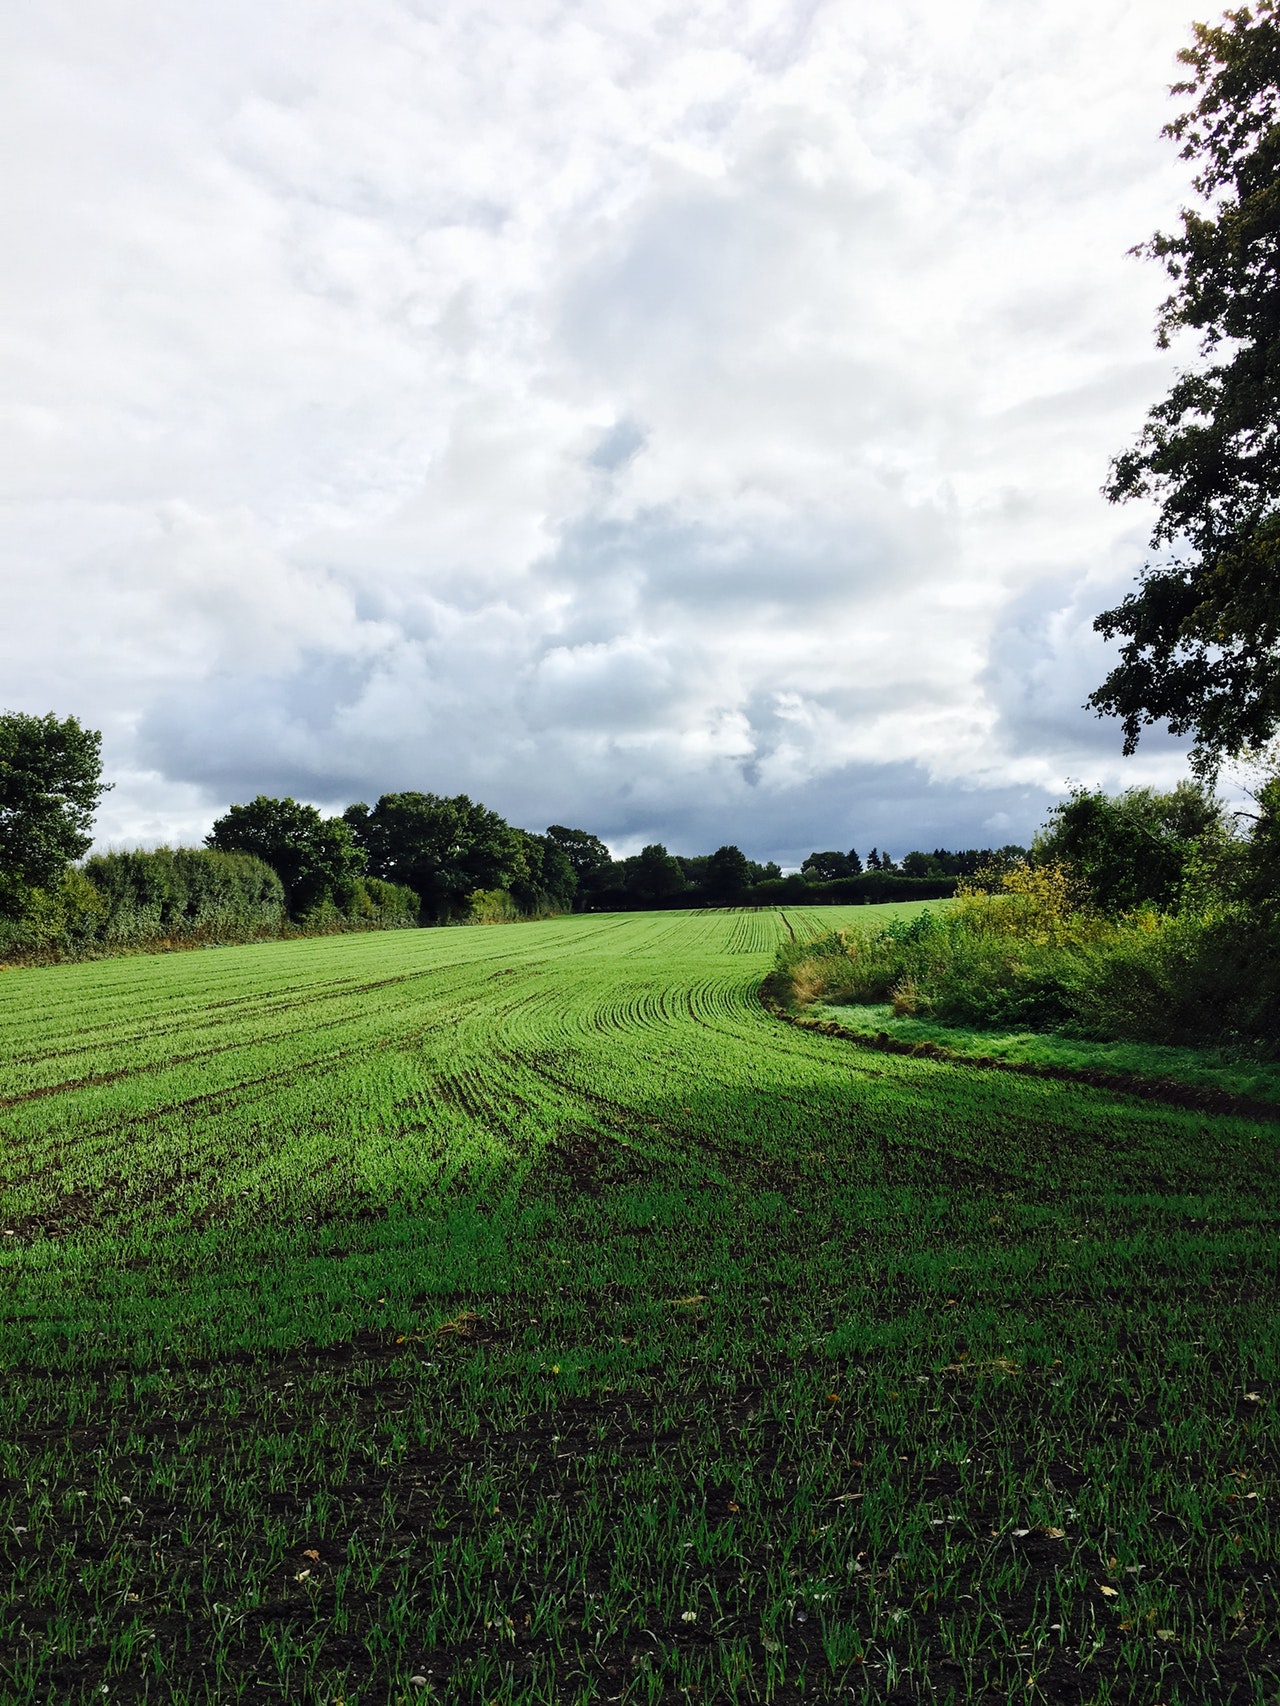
(173, 894)
(872, 887)
(543, 880)
(588, 857)
(316, 858)
(826, 867)
(1259, 876)
(1132, 849)
(442, 848)
(728, 873)
(1202, 633)
(50, 785)
(922, 865)
(943, 863)
(652, 875)
(182, 897)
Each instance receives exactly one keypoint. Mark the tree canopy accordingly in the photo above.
(316, 858)
(50, 785)
(1132, 849)
(443, 848)
(586, 853)
(1202, 632)
(826, 867)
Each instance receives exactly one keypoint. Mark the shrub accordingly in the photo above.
(1025, 956)
(46, 923)
(491, 906)
(186, 894)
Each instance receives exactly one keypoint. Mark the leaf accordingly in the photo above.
(311, 1552)
(462, 1326)
(1056, 1533)
(1111, 1593)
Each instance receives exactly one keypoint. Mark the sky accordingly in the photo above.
(683, 422)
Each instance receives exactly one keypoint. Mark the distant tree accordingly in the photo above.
(653, 875)
(586, 853)
(1202, 633)
(442, 848)
(50, 785)
(873, 860)
(591, 861)
(316, 858)
(917, 864)
(767, 873)
(728, 873)
(545, 879)
(855, 864)
(1009, 854)
(1130, 849)
(694, 867)
(825, 867)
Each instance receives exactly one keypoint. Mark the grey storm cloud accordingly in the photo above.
(688, 424)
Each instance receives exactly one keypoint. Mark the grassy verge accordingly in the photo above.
(524, 1315)
(1207, 1068)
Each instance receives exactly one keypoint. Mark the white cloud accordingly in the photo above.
(688, 423)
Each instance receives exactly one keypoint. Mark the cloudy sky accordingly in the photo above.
(682, 421)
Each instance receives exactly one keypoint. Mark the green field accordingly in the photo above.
(523, 1314)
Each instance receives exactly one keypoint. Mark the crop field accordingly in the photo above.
(523, 1314)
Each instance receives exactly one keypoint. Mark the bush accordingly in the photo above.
(186, 894)
(179, 897)
(48, 923)
(491, 906)
(1028, 955)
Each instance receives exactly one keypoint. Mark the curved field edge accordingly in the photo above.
(1208, 1078)
(1181, 1079)
(526, 1311)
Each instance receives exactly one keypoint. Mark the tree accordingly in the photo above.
(855, 864)
(1131, 849)
(442, 848)
(589, 858)
(918, 864)
(546, 880)
(826, 867)
(653, 875)
(1202, 633)
(586, 853)
(50, 785)
(727, 874)
(316, 858)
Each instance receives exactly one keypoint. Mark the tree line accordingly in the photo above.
(464, 861)
(278, 866)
